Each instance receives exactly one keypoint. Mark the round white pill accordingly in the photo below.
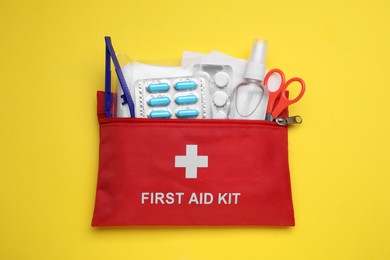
(221, 79)
(203, 73)
(219, 115)
(220, 98)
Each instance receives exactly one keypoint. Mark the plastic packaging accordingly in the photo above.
(177, 97)
(251, 96)
(135, 70)
(220, 87)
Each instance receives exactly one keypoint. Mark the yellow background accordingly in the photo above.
(52, 64)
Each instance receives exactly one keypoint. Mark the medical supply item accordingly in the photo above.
(218, 58)
(136, 71)
(220, 77)
(251, 93)
(278, 99)
(177, 97)
(126, 96)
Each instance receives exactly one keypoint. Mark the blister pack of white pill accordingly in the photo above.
(220, 88)
(178, 97)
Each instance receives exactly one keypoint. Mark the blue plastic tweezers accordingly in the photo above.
(127, 99)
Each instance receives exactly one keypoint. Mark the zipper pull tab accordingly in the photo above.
(283, 121)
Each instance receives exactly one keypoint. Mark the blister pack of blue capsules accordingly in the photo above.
(175, 97)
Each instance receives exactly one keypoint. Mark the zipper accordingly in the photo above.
(216, 122)
(271, 122)
(291, 120)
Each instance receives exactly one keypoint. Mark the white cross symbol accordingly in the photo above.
(191, 161)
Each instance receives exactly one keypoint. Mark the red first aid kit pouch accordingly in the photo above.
(192, 172)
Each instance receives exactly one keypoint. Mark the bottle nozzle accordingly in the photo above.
(258, 51)
(256, 64)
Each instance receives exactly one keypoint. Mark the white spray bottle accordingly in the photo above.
(250, 98)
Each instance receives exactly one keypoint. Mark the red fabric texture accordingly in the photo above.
(246, 181)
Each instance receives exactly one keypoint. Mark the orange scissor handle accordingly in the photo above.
(272, 96)
(284, 101)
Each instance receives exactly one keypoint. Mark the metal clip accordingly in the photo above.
(283, 121)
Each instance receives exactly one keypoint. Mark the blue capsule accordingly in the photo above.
(157, 87)
(185, 100)
(187, 113)
(159, 101)
(160, 114)
(185, 85)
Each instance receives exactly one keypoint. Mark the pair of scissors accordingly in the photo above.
(275, 109)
